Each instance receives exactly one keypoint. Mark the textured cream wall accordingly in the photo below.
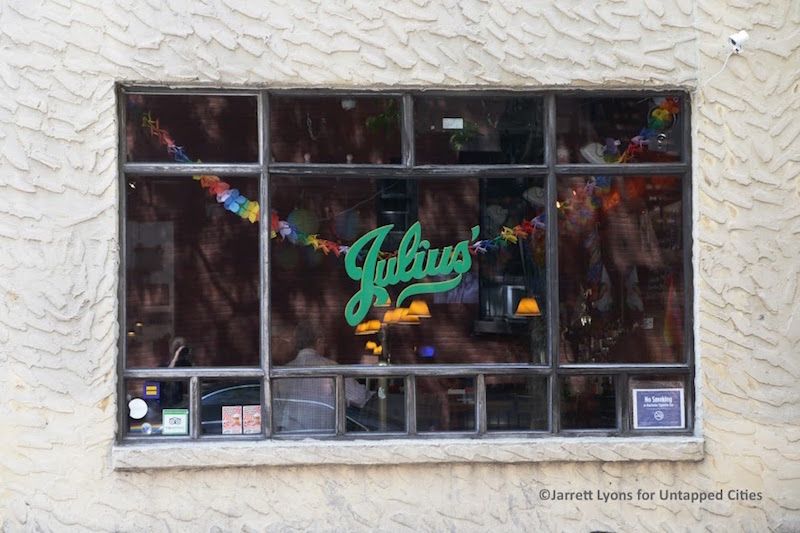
(59, 61)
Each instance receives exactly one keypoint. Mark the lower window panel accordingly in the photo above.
(445, 404)
(230, 407)
(516, 403)
(375, 405)
(304, 405)
(658, 402)
(588, 402)
(157, 408)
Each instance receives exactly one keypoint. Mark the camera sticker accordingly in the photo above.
(174, 421)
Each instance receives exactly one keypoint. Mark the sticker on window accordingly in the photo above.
(452, 123)
(231, 419)
(252, 419)
(175, 421)
(658, 409)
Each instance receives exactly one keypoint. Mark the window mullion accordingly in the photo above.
(407, 131)
(122, 311)
(264, 263)
(411, 405)
(622, 403)
(182, 170)
(480, 404)
(194, 407)
(551, 240)
(341, 406)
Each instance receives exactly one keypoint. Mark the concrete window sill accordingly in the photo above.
(186, 455)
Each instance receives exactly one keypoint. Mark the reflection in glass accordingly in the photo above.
(475, 321)
(192, 276)
(342, 130)
(588, 402)
(146, 402)
(621, 269)
(304, 405)
(230, 407)
(619, 130)
(445, 404)
(384, 410)
(211, 129)
(477, 130)
(516, 403)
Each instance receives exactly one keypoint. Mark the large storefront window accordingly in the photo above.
(299, 264)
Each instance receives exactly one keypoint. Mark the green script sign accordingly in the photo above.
(415, 260)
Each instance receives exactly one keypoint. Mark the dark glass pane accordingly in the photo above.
(477, 319)
(619, 130)
(588, 402)
(516, 403)
(621, 269)
(658, 402)
(376, 404)
(192, 276)
(306, 405)
(475, 130)
(211, 129)
(335, 130)
(445, 404)
(157, 407)
(230, 407)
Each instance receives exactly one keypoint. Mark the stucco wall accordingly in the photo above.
(59, 61)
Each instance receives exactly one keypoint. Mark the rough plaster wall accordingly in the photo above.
(58, 249)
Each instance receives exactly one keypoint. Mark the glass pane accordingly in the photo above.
(230, 407)
(483, 304)
(474, 130)
(305, 405)
(621, 269)
(619, 130)
(445, 404)
(157, 407)
(192, 276)
(588, 402)
(376, 404)
(335, 130)
(658, 402)
(516, 403)
(211, 129)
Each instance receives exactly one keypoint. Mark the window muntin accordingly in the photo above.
(475, 411)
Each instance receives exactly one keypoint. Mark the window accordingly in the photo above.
(407, 264)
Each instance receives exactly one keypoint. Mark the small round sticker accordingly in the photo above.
(138, 408)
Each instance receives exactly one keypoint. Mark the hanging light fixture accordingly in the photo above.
(390, 316)
(405, 318)
(527, 307)
(368, 327)
(419, 308)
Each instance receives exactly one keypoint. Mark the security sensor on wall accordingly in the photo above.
(737, 40)
(735, 46)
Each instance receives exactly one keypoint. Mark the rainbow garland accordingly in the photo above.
(237, 203)
(287, 231)
(660, 119)
(230, 198)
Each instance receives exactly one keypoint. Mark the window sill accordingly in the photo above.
(187, 455)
